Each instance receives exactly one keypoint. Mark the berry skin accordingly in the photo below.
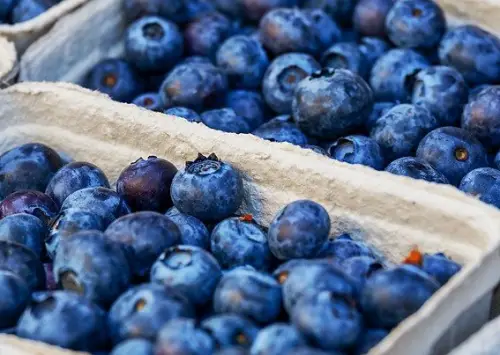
(116, 78)
(5, 9)
(24, 229)
(390, 296)
(183, 112)
(226, 120)
(346, 101)
(357, 149)
(440, 267)
(369, 339)
(379, 110)
(144, 235)
(481, 117)
(230, 330)
(79, 265)
(249, 105)
(281, 129)
(473, 52)
(84, 321)
(186, 11)
(135, 347)
(207, 189)
(327, 31)
(299, 230)
(191, 271)
(369, 17)
(453, 152)
(416, 169)
(340, 249)
(153, 44)
(135, 9)
(243, 60)
(193, 231)
(150, 101)
(142, 310)
(250, 294)
(283, 76)
(15, 298)
(483, 183)
(31, 202)
(328, 321)
(415, 24)
(340, 10)
(25, 10)
(254, 10)
(182, 336)
(392, 75)
(278, 338)
(145, 184)
(27, 167)
(443, 91)
(345, 55)
(361, 267)
(73, 177)
(236, 242)
(22, 262)
(306, 350)
(400, 130)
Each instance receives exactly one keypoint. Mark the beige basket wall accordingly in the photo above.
(9, 67)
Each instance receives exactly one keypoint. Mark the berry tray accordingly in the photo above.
(392, 213)
(484, 342)
(9, 68)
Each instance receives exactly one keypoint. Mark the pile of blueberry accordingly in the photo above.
(16, 11)
(163, 265)
(381, 83)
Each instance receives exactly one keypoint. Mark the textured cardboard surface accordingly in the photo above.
(484, 342)
(9, 67)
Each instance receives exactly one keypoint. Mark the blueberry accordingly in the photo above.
(440, 267)
(193, 231)
(153, 44)
(238, 241)
(306, 350)
(357, 149)
(67, 223)
(15, 297)
(187, 10)
(25, 10)
(83, 321)
(134, 347)
(496, 162)
(24, 229)
(249, 105)
(65, 158)
(79, 264)
(340, 10)
(340, 249)
(316, 149)
(135, 9)
(282, 271)
(453, 152)
(150, 101)
(481, 117)
(483, 183)
(372, 48)
(416, 169)
(361, 267)
(230, 7)
(299, 230)
(281, 129)
(233, 350)
(277, 339)
(142, 310)
(73, 177)
(243, 60)
(144, 235)
(415, 24)
(194, 85)
(204, 35)
(181, 336)
(183, 112)
(345, 55)
(5, 9)
(393, 74)
(250, 294)
(379, 110)
(226, 120)
(390, 296)
(282, 77)
(328, 321)
(116, 78)
(369, 17)
(190, 270)
(193, 59)
(400, 130)
(254, 10)
(207, 189)
(31, 202)
(27, 167)
(369, 339)
(21, 261)
(473, 52)
(443, 91)
(145, 184)
(475, 91)
(327, 30)
(346, 101)
(229, 330)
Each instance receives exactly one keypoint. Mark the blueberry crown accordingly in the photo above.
(201, 158)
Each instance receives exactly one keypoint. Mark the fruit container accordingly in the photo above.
(484, 342)
(391, 213)
(9, 66)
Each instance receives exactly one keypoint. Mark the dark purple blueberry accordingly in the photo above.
(327, 30)
(283, 76)
(183, 112)
(229, 330)
(340, 249)
(369, 339)
(340, 10)
(134, 347)
(346, 55)
(281, 129)
(31, 202)
(80, 262)
(416, 169)
(254, 10)
(379, 110)
(183, 336)
(248, 104)
(357, 149)
(145, 184)
(369, 17)
(25, 10)
(372, 48)
(440, 267)
(150, 101)
(331, 103)
(21, 261)
(25, 229)
(484, 184)
(142, 310)
(15, 297)
(225, 120)
(84, 322)
(278, 338)
(193, 231)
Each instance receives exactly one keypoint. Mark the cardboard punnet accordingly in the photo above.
(9, 66)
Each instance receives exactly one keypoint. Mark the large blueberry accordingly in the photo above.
(379, 110)
(453, 152)
(182, 336)
(193, 231)
(277, 339)
(230, 330)
(183, 112)
(483, 183)
(361, 267)
(299, 230)
(327, 30)
(149, 100)
(440, 267)
(142, 310)
(24, 263)
(416, 169)
(186, 10)
(400, 130)
(248, 104)
(237, 241)
(331, 103)
(281, 129)
(372, 48)
(282, 77)
(79, 264)
(340, 249)
(208, 189)
(340, 10)
(134, 347)
(15, 297)
(226, 120)
(191, 271)
(369, 16)
(145, 184)
(346, 55)
(24, 229)
(31, 202)
(357, 149)
(369, 339)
